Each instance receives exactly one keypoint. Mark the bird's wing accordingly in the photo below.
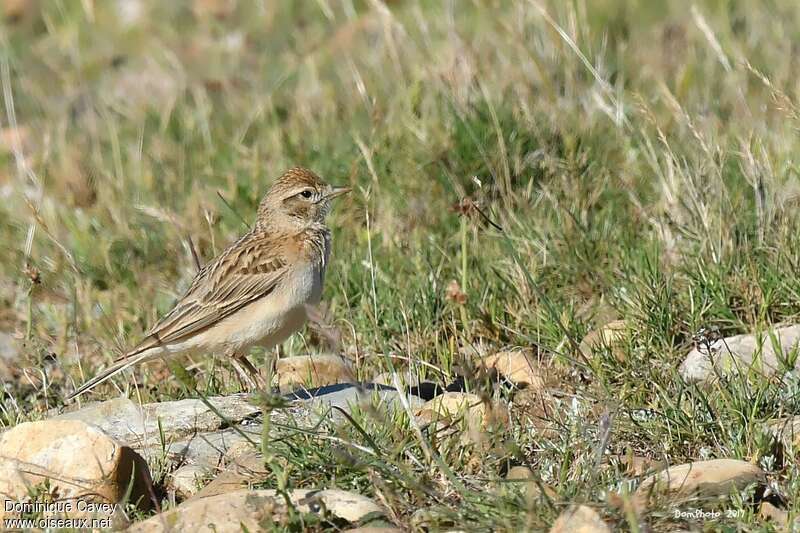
(246, 271)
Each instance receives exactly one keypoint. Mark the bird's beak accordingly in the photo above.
(337, 191)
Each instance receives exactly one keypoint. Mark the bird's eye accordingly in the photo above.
(306, 193)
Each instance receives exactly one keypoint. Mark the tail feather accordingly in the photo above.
(110, 372)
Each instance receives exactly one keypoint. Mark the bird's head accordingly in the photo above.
(297, 199)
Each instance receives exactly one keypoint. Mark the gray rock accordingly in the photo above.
(119, 418)
(191, 415)
(188, 479)
(347, 397)
(257, 510)
(705, 479)
(742, 352)
(159, 423)
(189, 432)
(206, 449)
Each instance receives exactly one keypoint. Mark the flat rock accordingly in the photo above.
(189, 432)
(79, 460)
(312, 371)
(759, 351)
(349, 396)
(579, 519)
(517, 366)
(206, 449)
(257, 510)
(145, 425)
(120, 419)
(703, 479)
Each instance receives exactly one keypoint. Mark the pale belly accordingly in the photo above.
(269, 321)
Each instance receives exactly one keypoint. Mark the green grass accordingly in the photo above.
(640, 158)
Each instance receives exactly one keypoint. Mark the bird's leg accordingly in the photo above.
(244, 380)
(249, 377)
(255, 374)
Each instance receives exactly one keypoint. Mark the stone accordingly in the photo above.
(245, 469)
(521, 478)
(516, 366)
(635, 465)
(342, 504)
(79, 460)
(769, 512)
(786, 430)
(143, 426)
(188, 432)
(192, 415)
(445, 414)
(579, 519)
(206, 445)
(187, 480)
(611, 335)
(243, 510)
(120, 419)
(256, 510)
(192, 432)
(741, 352)
(705, 479)
(453, 404)
(238, 450)
(206, 449)
(519, 473)
(333, 399)
(311, 371)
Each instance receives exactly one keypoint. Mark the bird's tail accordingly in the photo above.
(111, 371)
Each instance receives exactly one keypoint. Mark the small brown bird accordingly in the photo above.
(256, 291)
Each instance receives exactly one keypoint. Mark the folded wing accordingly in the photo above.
(245, 272)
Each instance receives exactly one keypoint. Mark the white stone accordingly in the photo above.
(741, 352)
